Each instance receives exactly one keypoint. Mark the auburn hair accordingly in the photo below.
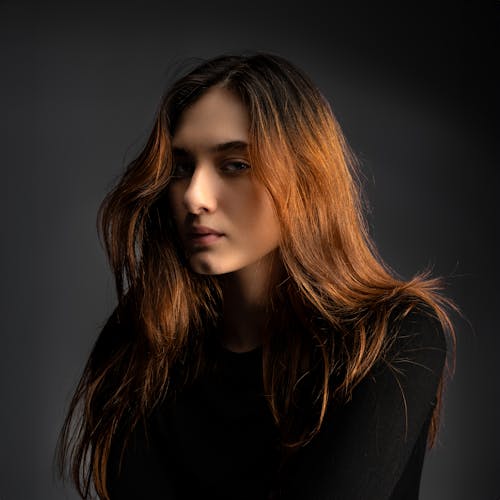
(330, 316)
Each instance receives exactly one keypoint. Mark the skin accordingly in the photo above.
(213, 186)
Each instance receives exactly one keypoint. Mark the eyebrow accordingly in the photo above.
(224, 147)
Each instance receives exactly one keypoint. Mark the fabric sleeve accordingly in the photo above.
(365, 447)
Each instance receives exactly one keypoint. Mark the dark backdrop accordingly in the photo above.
(411, 84)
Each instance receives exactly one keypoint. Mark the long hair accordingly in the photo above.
(330, 315)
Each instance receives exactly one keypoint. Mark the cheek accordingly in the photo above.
(270, 225)
(256, 213)
(175, 196)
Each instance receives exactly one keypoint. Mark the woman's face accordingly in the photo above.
(224, 216)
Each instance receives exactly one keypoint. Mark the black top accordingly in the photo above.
(219, 441)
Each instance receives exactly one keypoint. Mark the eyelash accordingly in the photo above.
(226, 168)
(245, 166)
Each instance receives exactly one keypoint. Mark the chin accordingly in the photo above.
(206, 266)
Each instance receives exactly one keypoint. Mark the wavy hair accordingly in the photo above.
(330, 316)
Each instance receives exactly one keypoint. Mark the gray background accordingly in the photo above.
(412, 86)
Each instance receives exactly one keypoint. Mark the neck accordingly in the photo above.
(246, 304)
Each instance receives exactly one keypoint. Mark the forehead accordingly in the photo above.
(218, 116)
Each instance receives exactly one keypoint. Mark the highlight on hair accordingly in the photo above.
(331, 315)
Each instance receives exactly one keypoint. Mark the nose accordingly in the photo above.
(201, 193)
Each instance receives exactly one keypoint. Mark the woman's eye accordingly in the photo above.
(235, 166)
(182, 170)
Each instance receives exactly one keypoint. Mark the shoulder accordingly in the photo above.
(416, 336)
(405, 382)
(366, 441)
(402, 388)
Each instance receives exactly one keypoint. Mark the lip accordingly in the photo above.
(203, 235)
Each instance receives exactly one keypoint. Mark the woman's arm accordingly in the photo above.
(373, 447)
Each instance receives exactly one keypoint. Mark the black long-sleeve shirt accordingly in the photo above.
(218, 440)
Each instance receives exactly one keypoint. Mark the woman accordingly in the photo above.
(260, 348)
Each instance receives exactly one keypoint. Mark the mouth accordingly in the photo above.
(202, 235)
